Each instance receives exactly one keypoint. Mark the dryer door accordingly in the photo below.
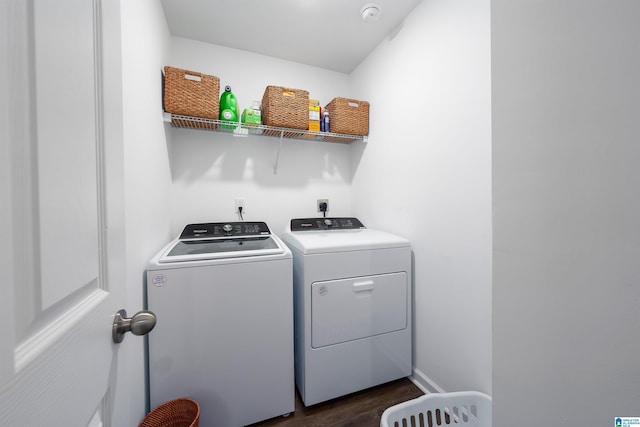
(355, 308)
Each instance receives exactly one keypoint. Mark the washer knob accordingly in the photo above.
(328, 222)
(228, 228)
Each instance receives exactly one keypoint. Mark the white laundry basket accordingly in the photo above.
(464, 408)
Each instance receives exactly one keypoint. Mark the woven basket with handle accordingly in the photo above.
(285, 107)
(181, 412)
(348, 116)
(189, 93)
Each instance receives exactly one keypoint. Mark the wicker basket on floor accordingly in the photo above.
(348, 116)
(189, 93)
(285, 107)
(181, 412)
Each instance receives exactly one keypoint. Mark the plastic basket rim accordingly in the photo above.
(442, 400)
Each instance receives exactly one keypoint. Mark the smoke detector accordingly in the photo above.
(371, 12)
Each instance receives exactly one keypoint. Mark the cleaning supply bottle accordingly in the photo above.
(228, 108)
(324, 125)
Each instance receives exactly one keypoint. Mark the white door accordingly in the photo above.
(61, 234)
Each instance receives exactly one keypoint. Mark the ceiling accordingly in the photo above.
(328, 34)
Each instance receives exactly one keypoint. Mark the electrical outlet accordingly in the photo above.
(320, 202)
(240, 204)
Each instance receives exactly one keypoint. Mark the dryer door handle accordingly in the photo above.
(366, 285)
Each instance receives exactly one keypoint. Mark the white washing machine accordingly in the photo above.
(352, 306)
(222, 294)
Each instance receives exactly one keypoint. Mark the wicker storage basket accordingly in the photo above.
(181, 412)
(348, 116)
(285, 107)
(189, 93)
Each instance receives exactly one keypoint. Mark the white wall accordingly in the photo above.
(566, 286)
(426, 174)
(210, 169)
(145, 40)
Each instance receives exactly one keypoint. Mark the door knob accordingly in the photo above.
(140, 323)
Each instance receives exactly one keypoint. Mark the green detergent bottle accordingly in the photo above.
(228, 108)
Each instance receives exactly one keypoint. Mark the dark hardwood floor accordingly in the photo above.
(361, 409)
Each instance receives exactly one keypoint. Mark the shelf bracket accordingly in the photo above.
(275, 162)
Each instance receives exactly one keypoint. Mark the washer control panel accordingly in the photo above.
(311, 224)
(213, 230)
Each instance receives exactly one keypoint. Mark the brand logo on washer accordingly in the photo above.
(322, 290)
(159, 280)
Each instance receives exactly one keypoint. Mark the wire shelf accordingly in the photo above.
(239, 129)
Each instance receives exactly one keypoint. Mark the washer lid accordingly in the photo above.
(219, 240)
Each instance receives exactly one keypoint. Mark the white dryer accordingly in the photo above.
(352, 306)
(223, 295)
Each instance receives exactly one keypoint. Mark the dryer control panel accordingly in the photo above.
(311, 224)
(214, 230)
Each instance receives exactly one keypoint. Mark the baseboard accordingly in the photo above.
(424, 383)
